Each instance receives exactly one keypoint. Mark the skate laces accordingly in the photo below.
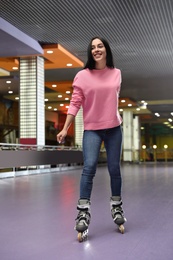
(83, 217)
(116, 209)
(117, 212)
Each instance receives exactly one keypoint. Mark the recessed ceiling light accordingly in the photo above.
(69, 64)
(15, 68)
(138, 109)
(61, 105)
(66, 98)
(143, 106)
(129, 105)
(46, 99)
(157, 114)
(49, 107)
(8, 81)
(67, 92)
(49, 52)
(59, 96)
(10, 92)
(16, 98)
(123, 101)
(54, 86)
(55, 109)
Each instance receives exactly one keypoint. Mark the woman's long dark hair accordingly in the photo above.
(90, 64)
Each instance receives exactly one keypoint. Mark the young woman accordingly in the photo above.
(96, 88)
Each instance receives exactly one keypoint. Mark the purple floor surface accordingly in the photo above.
(37, 216)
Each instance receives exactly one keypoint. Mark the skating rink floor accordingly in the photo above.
(37, 216)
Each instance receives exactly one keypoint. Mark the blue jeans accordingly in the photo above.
(92, 140)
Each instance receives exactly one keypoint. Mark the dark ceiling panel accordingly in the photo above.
(140, 33)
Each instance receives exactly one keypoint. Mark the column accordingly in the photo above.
(79, 128)
(32, 111)
(127, 135)
(136, 139)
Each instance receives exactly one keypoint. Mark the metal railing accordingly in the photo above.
(16, 147)
(17, 157)
(156, 155)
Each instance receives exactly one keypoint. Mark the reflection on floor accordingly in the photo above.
(37, 216)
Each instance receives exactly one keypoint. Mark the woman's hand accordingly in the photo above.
(61, 136)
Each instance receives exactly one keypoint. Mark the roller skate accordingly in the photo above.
(117, 213)
(83, 219)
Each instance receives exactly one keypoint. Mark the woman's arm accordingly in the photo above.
(61, 136)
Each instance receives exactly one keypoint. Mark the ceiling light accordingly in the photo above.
(55, 109)
(49, 52)
(171, 113)
(49, 107)
(143, 106)
(8, 81)
(138, 109)
(121, 110)
(46, 99)
(15, 68)
(54, 86)
(10, 92)
(157, 114)
(123, 101)
(66, 98)
(61, 105)
(59, 96)
(170, 119)
(129, 105)
(67, 106)
(67, 92)
(17, 98)
(69, 64)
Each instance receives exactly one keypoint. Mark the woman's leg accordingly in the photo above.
(91, 148)
(113, 143)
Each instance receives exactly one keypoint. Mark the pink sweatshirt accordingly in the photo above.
(97, 91)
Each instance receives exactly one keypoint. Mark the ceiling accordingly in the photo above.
(140, 34)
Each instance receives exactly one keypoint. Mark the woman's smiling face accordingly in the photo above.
(98, 51)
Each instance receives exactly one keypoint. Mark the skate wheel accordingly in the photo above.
(121, 229)
(80, 237)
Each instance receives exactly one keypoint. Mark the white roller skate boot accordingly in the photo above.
(83, 219)
(117, 212)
